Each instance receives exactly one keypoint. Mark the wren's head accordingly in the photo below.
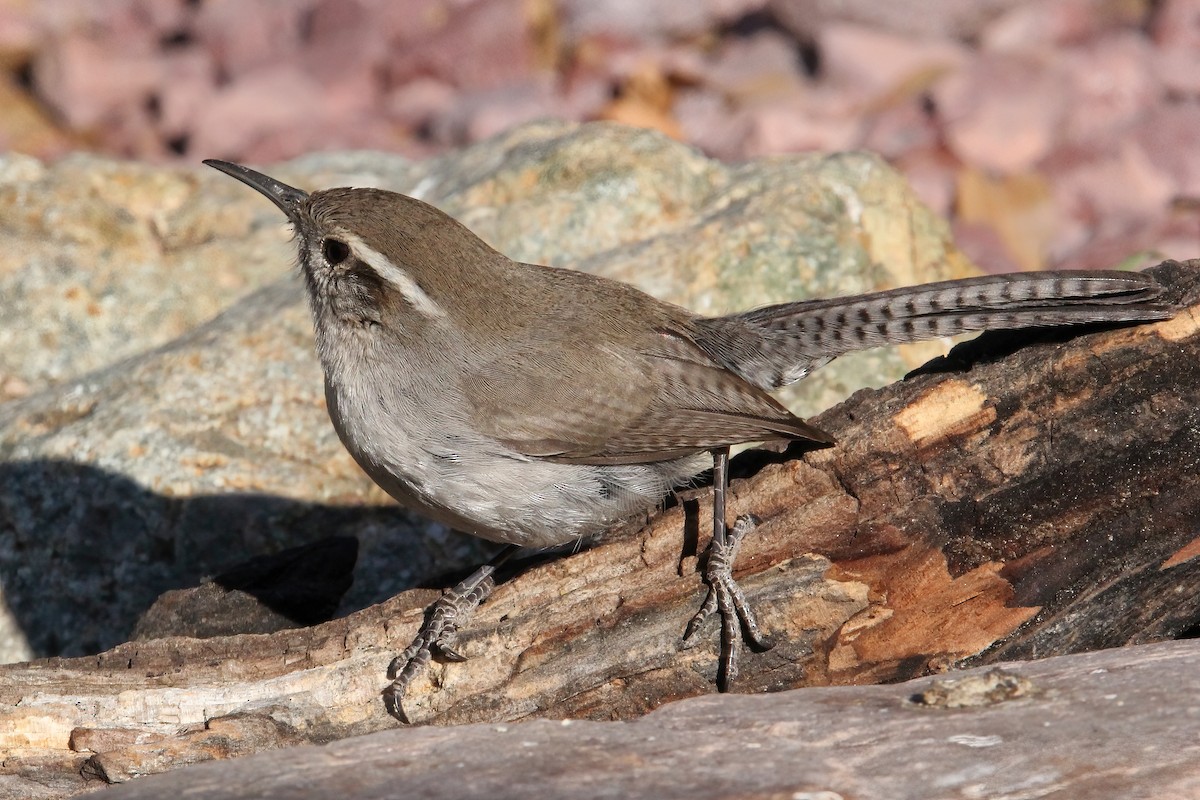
(374, 261)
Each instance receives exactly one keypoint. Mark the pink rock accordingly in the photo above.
(984, 246)
(349, 42)
(1178, 68)
(330, 37)
(417, 103)
(1178, 236)
(478, 115)
(165, 18)
(88, 84)
(344, 21)
(756, 68)
(708, 122)
(189, 84)
(932, 173)
(796, 128)
(355, 133)
(1003, 112)
(1039, 25)
(584, 98)
(1176, 23)
(640, 20)
(401, 22)
(683, 63)
(20, 34)
(872, 61)
(255, 107)
(484, 45)
(1168, 136)
(1113, 84)
(1105, 194)
(1171, 233)
(902, 126)
(1136, 245)
(130, 26)
(500, 109)
(932, 18)
(619, 59)
(1176, 32)
(242, 42)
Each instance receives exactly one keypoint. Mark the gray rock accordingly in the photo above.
(1093, 726)
(157, 451)
(294, 588)
(107, 259)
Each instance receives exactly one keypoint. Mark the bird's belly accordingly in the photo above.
(476, 485)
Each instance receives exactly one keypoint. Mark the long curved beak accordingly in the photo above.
(288, 198)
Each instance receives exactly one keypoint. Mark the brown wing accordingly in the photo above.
(621, 405)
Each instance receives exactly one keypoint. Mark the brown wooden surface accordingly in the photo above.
(1009, 502)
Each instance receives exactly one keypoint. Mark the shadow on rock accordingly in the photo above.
(85, 552)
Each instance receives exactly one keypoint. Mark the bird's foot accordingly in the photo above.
(437, 635)
(724, 595)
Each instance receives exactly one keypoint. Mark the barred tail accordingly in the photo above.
(798, 337)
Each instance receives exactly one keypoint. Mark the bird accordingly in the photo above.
(536, 406)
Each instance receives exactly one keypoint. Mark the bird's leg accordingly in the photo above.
(724, 595)
(442, 622)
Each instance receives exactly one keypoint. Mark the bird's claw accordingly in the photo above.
(724, 595)
(437, 635)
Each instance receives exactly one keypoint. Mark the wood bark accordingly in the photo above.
(1033, 494)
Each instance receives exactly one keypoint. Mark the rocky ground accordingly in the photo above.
(1052, 132)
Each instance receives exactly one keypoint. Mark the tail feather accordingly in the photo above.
(791, 339)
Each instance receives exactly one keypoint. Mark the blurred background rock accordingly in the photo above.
(1051, 132)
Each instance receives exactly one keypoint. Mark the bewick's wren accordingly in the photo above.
(535, 406)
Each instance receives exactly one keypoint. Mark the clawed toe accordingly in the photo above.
(437, 635)
(726, 596)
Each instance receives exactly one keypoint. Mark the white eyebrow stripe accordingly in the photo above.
(408, 288)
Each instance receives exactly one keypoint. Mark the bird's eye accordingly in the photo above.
(335, 251)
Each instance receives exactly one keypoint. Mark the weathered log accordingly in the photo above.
(1032, 495)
